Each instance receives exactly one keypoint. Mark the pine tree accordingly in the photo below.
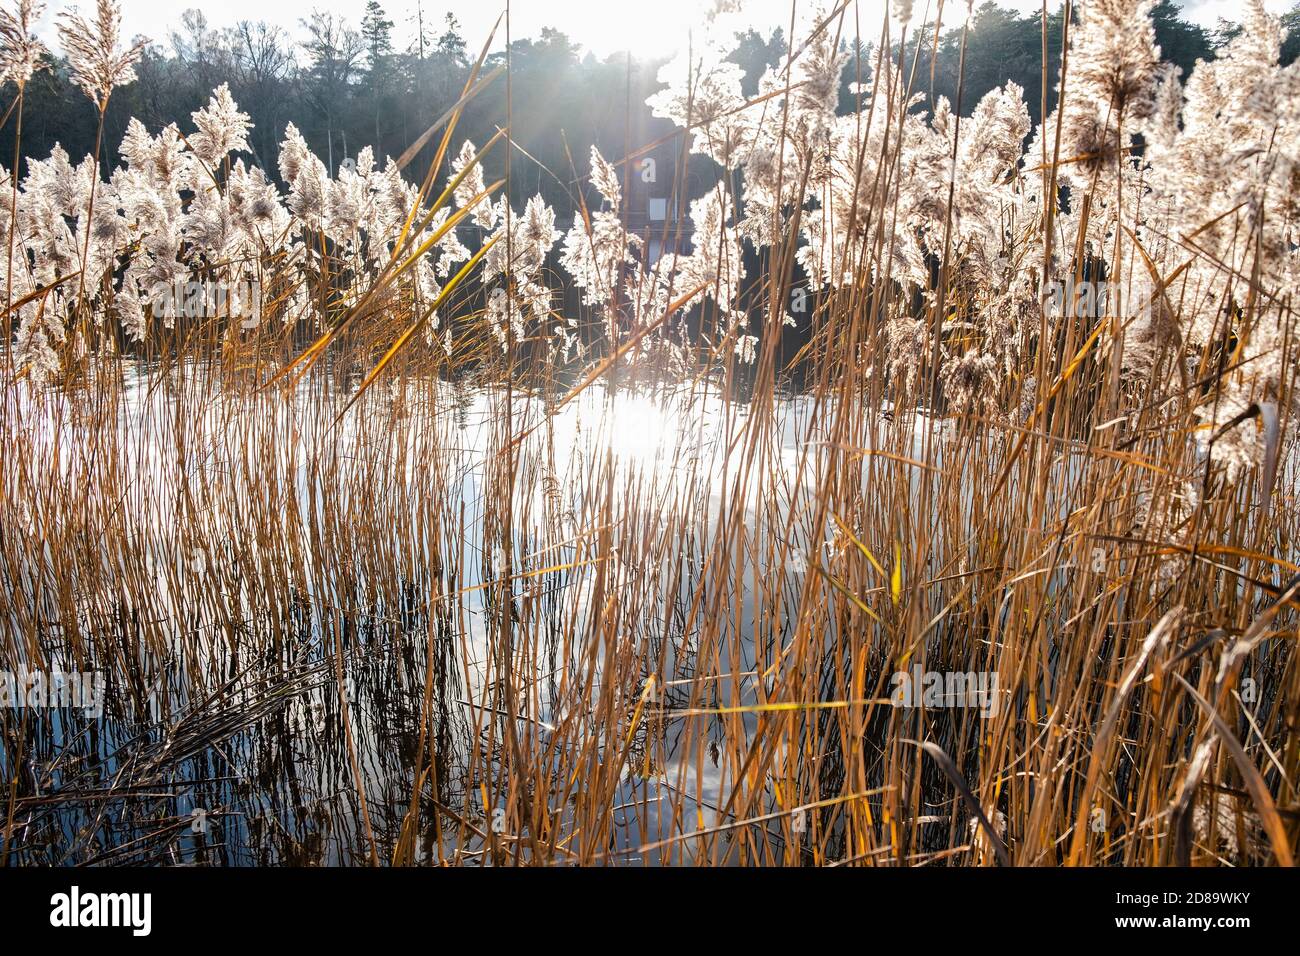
(377, 37)
(451, 45)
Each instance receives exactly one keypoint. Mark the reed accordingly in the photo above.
(418, 569)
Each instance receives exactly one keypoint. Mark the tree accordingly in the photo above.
(377, 35)
(755, 54)
(377, 39)
(451, 45)
(1290, 36)
(1180, 42)
(333, 49)
(199, 48)
(263, 71)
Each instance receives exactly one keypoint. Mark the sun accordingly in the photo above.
(648, 29)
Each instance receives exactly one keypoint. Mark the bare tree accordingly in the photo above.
(202, 52)
(264, 70)
(334, 50)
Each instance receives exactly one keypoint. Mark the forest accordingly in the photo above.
(346, 85)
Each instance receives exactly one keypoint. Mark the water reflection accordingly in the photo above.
(293, 613)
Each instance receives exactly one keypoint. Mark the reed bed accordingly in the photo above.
(606, 588)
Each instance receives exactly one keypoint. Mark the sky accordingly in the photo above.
(603, 27)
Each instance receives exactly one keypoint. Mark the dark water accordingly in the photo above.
(228, 731)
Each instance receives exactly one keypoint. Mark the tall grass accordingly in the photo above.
(539, 588)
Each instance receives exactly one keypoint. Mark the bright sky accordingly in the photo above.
(650, 27)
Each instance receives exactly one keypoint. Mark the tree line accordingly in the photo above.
(347, 86)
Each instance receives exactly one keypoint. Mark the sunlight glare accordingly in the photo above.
(643, 430)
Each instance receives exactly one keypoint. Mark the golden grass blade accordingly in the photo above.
(954, 776)
(405, 337)
(1264, 804)
(1156, 639)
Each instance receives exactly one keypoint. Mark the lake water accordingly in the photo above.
(228, 561)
